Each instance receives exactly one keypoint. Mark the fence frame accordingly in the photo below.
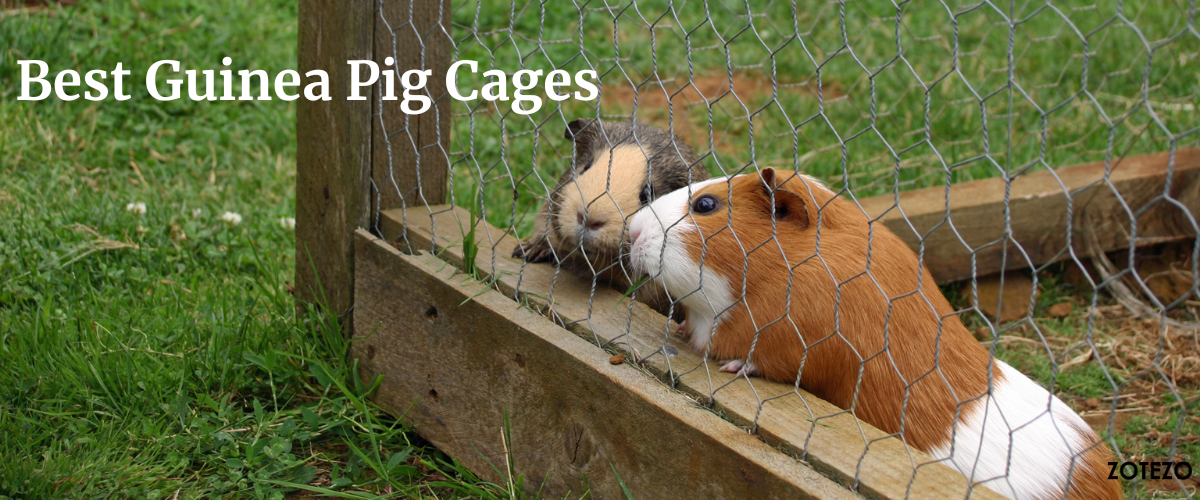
(383, 296)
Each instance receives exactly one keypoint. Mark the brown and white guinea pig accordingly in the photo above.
(618, 168)
(776, 273)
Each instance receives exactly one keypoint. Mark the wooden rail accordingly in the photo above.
(830, 440)
(1047, 213)
(459, 360)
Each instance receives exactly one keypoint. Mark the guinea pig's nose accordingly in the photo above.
(589, 223)
(634, 232)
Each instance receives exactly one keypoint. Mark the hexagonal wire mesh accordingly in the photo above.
(873, 99)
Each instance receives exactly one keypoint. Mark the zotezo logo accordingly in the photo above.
(1150, 470)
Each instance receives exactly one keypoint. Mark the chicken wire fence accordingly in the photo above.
(874, 99)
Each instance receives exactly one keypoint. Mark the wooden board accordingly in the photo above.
(333, 152)
(832, 441)
(410, 157)
(457, 357)
(1048, 212)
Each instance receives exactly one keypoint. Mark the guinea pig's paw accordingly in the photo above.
(682, 330)
(740, 367)
(533, 250)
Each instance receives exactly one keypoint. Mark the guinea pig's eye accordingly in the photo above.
(705, 205)
(645, 196)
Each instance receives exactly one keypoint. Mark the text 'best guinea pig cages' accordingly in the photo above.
(957, 258)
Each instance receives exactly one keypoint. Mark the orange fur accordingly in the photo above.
(1090, 473)
(860, 313)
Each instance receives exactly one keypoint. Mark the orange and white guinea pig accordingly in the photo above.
(782, 279)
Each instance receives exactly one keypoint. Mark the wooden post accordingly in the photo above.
(333, 148)
(355, 158)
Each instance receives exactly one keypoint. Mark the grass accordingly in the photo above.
(160, 354)
(822, 87)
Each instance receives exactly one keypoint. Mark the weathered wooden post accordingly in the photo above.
(344, 145)
(333, 151)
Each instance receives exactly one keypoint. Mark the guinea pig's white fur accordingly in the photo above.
(704, 295)
(783, 283)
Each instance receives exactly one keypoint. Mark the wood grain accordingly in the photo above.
(832, 441)
(457, 358)
(333, 151)
(964, 233)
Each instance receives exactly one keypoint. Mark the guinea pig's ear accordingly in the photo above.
(575, 127)
(583, 141)
(789, 206)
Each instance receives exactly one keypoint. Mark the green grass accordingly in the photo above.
(161, 355)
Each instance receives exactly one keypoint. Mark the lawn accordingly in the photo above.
(158, 353)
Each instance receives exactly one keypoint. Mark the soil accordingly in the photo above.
(689, 102)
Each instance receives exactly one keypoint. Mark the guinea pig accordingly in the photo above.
(781, 278)
(617, 169)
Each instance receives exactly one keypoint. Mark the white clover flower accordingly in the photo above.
(136, 208)
(288, 223)
(231, 218)
(196, 212)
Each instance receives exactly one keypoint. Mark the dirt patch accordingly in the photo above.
(684, 104)
(1156, 364)
(1015, 289)
(1166, 269)
(1099, 420)
(1060, 310)
(1133, 347)
(1187, 486)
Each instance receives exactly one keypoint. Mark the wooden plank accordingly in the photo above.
(333, 148)
(410, 160)
(456, 357)
(1043, 224)
(838, 444)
